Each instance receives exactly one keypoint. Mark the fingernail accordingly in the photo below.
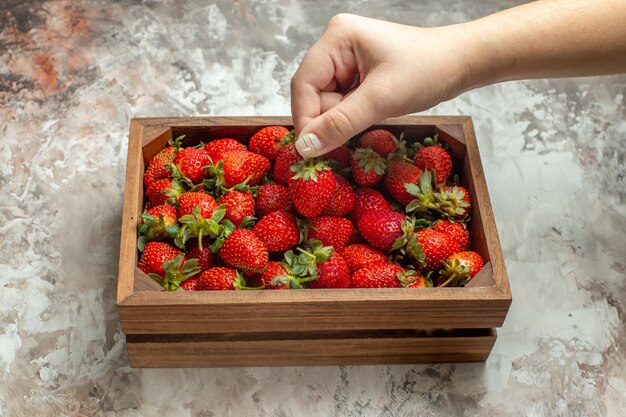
(308, 145)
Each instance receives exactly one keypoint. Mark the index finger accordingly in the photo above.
(316, 71)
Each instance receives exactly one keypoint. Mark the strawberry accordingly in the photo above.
(433, 248)
(423, 194)
(412, 279)
(272, 197)
(455, 230)
(333, 273)
(278, 231)
(244, 250)
(158, 166)
(157, 223)
(269, 278)
(216, 148)
(239, 205)
(453, 202)
(339, 157)
(366, 199)
(433, 157)
(359, 255)
(221, 279)
(270, 140)
(287, 157)
(331, 231)
(381, 274)
(206, 258)
(383, 142)
(191, 283)
(161, 191)
(471, 260)
(190, 162)
(311, 188)
(368, 167)
(398, 174)
(196, 225)
(343, 198)
(188, 201)
(459, 268)
(381, 228)
(153, 256)
(240, 166)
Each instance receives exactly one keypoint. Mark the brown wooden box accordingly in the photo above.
(309, 327)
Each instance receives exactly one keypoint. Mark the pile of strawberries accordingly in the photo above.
(375, 213)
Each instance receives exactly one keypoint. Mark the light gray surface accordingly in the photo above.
(72, 73)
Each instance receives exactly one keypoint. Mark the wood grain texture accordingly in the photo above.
(482, 213)
(153, 312)
(331, 348)
(133, 194)
(193, 321)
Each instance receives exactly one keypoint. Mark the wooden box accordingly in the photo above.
(309, 327)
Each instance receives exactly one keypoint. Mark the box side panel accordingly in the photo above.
(330, 350)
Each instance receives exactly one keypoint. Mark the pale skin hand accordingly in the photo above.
(364, 70)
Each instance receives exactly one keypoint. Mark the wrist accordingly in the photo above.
(482, 61)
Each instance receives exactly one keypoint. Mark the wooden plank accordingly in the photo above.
(304, 349)
(133, 195)
(311, 310)
(483, 221)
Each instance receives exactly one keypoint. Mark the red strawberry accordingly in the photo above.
(398, 174)
(158, 223)
(159, 191)
(240, 165)
(157, 167)
(459, 268)
(366, 199)
(206, 259)
(383, 142)
(270, 140)
(153, 256)
(341, 157)
(167, 212)
(191, 162)
(239, 205)
(471, 260)
(272, 197)
(274, 269)
(191, 283)
(382, 274)
(287, 157)
(343, 198)
(333, 273)
(216, 148)
(412, 279)
(455, 230)
(434, 158)
(435, 247)
(244, 250)
(311, 187)
(368, 167)
(381, 228)
(331, 231)
(278, 231)
(187, 202)
(359, 255)
(453, 202)
(220, 279)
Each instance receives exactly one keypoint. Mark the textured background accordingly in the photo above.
(72, 73)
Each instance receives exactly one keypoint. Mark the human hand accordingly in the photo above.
(364, 70)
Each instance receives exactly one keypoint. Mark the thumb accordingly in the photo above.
(331, 129)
